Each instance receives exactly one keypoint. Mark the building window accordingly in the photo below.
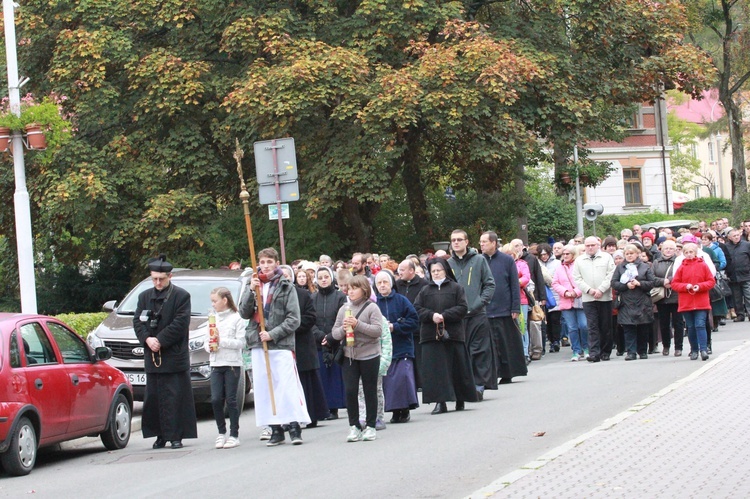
(694, 150)
(711, 155)
(632, 181)
(697, 192)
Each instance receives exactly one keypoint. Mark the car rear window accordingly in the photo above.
(199, 290)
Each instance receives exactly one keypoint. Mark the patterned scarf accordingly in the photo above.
(273, 278)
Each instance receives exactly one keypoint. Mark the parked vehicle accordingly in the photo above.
(116, 331)
(53, 388)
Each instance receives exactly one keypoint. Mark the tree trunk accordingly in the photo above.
(560, 157)
(415, 195)
(357, 225)
(523, 219)
(738, 175)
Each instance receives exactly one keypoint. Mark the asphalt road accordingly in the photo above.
(449, 455)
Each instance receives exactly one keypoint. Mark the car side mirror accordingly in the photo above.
(109, 306)
(103, 353)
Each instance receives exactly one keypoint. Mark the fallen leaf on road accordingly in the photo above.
(539, 433)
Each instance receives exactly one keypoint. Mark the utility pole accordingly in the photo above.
(21, 197)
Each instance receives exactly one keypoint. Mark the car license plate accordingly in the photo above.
(137, 378)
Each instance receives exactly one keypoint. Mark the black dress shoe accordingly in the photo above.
(739, 318)
(620, 353)
(312, 424)
(630, 356)
(405, 416)
(177, 444)
(643, 356)
(160, 443)
(605, 356)
(693, 355)
(333, 415)
(396, 417)
(704, 355)
(440, 408)
(593, 359)
(505, 381)
(460, 405)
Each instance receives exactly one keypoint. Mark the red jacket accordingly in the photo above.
(691, 272)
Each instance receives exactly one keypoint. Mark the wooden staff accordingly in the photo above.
(245, 197)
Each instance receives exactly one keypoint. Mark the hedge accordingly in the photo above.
(83, 324)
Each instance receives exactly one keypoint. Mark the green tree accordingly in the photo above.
(720, 28)
(375, 92)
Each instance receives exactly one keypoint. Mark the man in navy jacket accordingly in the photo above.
(504, 309)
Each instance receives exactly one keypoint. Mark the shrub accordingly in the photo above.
(705, 205)
(83, 324)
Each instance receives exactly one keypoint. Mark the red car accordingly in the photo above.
(54, 387)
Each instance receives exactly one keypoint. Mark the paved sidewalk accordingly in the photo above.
(691, 439)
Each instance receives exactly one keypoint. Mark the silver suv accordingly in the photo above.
(117, 333)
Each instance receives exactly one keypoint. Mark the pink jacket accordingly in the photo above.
(563, 281)
(524, 276)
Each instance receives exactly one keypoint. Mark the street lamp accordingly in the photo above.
(21, 196)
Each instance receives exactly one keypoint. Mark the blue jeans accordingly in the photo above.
(578, 331)
(695, 321)
(525, 337)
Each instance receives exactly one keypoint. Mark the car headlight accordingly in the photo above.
(197, 343)
(202, 369)
(93, 340)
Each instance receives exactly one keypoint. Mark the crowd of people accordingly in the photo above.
(367, 334)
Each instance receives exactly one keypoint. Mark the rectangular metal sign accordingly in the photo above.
(289, 191)
(286, 158)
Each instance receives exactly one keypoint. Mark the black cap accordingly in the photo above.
(160, 264)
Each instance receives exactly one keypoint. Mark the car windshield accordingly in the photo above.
(199, 290)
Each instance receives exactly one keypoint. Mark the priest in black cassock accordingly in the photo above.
(161, 322)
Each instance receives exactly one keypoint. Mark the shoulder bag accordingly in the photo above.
(339, 356)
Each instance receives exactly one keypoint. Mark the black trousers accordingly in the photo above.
(670, 321)
(554, 326)
(599, 318)
(224, 381)
(636, 337)
(367, 370)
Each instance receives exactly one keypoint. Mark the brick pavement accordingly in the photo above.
(691, 439)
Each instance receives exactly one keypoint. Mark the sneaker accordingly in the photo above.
(574, 358)
(220, 441)
(231, 443)
(379, 425)
(355, 434)
(586, 354)
(266, 433)
(369, 434)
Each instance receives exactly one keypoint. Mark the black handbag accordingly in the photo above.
(723, 284)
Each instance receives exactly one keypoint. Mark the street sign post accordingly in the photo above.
(276, 173)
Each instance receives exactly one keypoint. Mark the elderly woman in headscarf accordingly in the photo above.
(399, 384)
(446, 366)
(327, 301)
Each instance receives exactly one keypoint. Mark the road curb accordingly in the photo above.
(507, 479)
(135, 427)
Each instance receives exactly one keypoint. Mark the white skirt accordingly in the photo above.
(287, 389)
